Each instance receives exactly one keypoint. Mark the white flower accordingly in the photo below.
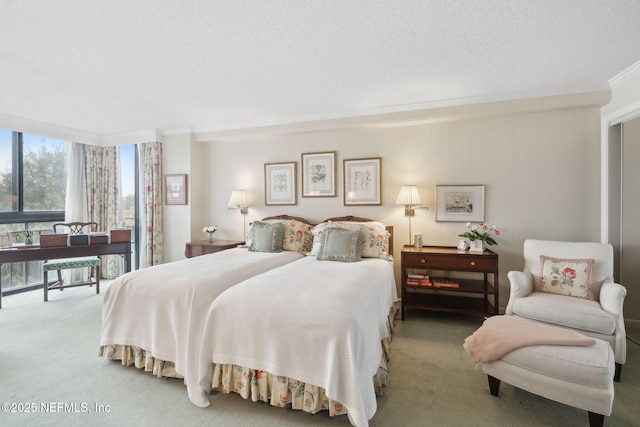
(210, 229)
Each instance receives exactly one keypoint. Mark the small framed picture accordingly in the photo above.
(175, 189)
(319, 174)
(362, 182)
(460, 203)
(280, 183)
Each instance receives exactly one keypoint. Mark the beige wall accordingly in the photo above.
(541, 170)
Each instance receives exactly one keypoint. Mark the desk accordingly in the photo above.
(36, 253)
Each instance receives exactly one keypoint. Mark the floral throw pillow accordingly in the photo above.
(571, 277)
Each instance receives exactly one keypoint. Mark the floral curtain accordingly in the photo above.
(150, 177)
(102, 166)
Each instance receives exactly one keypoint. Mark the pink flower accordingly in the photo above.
(569, 273)
(299, 234)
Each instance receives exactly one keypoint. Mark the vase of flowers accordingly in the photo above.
(480, 234)
(211, 231)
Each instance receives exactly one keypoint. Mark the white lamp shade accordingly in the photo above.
(409, 196)
(238, 199)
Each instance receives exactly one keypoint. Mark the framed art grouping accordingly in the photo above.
(460, 203)
(175, 189)
(362, 182)
(319, 174)
(280, 183)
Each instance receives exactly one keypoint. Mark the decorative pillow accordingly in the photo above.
(296, 235)
(266, 237)
(375, 237)
(572, 277)
(340, 244)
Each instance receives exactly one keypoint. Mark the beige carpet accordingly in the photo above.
(48, 358)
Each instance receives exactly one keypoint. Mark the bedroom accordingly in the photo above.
(498, 144)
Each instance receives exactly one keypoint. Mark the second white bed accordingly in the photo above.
(320, 322)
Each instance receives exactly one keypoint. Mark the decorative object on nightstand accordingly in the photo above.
(211, 231)
(480, 234)
(238, 200)
(409, 197)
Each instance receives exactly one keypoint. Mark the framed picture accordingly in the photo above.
(280, 183)
(362, 182)
(319, 174)
(175, 189)
(460, 203)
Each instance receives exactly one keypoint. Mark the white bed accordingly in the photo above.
(313, 327)
(153, 318)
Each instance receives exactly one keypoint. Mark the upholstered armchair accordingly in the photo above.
(571, 285)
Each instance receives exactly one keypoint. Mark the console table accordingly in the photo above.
(458, 281)
(37, 253)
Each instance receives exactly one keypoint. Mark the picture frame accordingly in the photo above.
(362, 182)
(460, 203)
(319, 174)
(280, 183)
(175, 189)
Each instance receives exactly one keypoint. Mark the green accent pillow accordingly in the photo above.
(340, 244)
(267, 238)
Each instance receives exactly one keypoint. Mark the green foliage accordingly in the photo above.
(44, 180)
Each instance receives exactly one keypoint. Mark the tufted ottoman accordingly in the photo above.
(579, 376)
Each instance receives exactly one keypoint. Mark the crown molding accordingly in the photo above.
(47, 129)
(628, 74)
(139, 137)
(414, 114)
(387, 116)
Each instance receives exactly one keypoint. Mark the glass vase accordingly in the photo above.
(476, 246)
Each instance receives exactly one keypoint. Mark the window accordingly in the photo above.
(130, 214)
(33, 182)
(33, 178)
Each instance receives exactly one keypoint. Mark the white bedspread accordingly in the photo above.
(162, 309)
(320, 322)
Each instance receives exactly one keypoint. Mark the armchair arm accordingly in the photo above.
(521, 285)
(612, 297)
(612, 300)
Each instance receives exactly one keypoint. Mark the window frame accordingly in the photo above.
(17, 173)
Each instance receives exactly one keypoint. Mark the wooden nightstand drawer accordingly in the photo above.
(440, 262)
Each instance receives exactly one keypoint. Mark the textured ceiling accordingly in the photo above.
(108, 67)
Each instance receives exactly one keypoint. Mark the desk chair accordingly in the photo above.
(91, 262)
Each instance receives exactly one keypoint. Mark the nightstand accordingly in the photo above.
(458, 281)
(203, 247)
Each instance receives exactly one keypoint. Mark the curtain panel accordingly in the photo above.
(102, 172)
(150, 191)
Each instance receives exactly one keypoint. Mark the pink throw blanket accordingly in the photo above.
(500, 335)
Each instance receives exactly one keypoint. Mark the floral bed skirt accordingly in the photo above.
(254, 384)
